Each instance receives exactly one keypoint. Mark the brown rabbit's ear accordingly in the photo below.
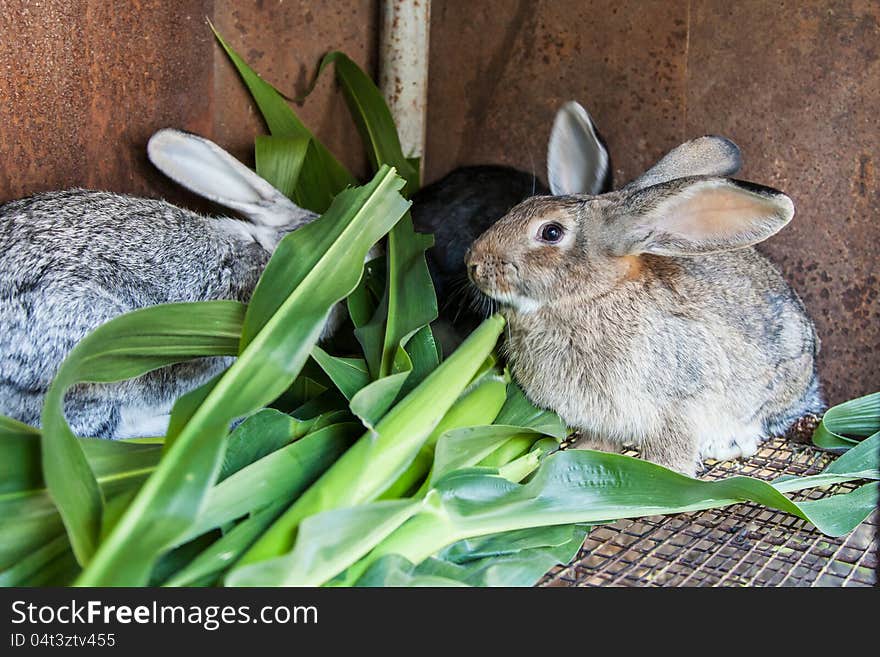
(706, 156)
(692, 216)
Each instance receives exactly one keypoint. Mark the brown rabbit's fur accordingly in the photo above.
(696, 353)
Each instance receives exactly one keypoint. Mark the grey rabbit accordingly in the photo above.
(75, 259)
(645, 316)
(459, 207)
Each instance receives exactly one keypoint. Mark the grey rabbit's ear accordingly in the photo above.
(693, 216)
(577, 160)
(203, 167)
(705, 156)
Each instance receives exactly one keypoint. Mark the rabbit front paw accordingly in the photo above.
(742, 445)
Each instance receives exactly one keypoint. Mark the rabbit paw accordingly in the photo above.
(741, 446)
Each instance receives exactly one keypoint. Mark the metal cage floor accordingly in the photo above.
(741, 545)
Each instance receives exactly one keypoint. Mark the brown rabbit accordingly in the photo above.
(644, 316)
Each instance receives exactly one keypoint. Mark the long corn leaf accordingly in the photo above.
(311, 270)
(844, 425)
(584, 486)
(128, 346)
(380, 456)
(321, 175)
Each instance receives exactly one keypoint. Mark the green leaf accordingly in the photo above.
(518, 558)
(468, 446)
(281, 474)
(424, 357)
(349, 375)
(323, 254)
(280, 161)
(53, 564)
(126, 347)
(372, 117)
(520, 412)
(476, 408)
(585, 486)
(372, 401)
(180, 557)
(20, 467)
(311, 270)
(844, 425)
(410, 304)
(261, 434)
(510, 449)
(311, 563)
(28, 517)
(514, 542)
(224, 552)
(380, 456)
(321, 176)
(393, 570)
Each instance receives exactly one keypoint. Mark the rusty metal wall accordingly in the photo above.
(795, 84)
(84, 83)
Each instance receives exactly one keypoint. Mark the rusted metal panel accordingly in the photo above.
(500, 70)
(798, 89)
(284, 42)
(84, 83)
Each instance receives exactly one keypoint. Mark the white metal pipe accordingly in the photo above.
(403, 68)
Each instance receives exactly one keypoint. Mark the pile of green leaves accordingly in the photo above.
(371, 460)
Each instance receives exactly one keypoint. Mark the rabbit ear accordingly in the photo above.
(577, 160)
(704, 156)
(203, 167)
(693, 216)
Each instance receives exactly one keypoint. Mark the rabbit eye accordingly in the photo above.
(551, 232)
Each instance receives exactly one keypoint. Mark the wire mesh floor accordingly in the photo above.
(742, 545)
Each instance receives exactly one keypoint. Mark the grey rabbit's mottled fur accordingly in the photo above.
(645, 316)
(72, 260)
